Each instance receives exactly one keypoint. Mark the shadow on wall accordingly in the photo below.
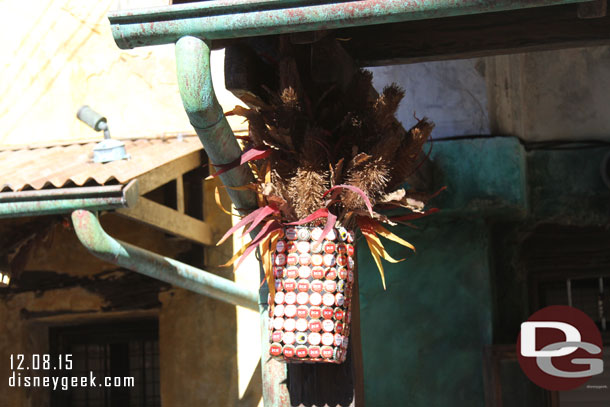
(453, 94)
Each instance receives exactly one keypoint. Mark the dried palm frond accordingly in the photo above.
(340, 157)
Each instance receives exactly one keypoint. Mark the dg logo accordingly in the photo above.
(560, 348)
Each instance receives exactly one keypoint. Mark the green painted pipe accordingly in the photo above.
(223, 19)
(66, 200)
(100, 244)
(53, 207)
(208, 119)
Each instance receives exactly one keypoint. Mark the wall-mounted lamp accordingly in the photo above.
(107, 150)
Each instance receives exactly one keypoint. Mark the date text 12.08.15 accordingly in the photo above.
(42, 361)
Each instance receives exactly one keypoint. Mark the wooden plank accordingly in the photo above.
(168, 172)
(169, 220)
(180, 194)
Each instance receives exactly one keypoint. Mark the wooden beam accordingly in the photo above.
(535, 29)
(168, 172)
(180, 194)
(169, 220)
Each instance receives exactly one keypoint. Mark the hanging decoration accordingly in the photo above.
(323, 169)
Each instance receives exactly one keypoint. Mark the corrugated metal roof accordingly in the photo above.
(72, 164)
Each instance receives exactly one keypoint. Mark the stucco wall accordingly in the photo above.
(551, 95)
(452, 94)
(59, 55)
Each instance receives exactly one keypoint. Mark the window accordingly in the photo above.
(117, 350)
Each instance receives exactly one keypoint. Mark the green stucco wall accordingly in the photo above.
(423, 337)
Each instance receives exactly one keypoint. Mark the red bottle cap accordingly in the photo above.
(292, 259)
(317, 272)
(314, 352)
(315, 325)
(301, 351)
(329, 247)
(315, 312)
(302, 311)
(342, 260)
(276, 336)
(303, 286)
(305, 259)
(292, 272)
(288, 351)
(326, 352)
(316, 286)
(290, 284)
(331, 273)
(275, 349)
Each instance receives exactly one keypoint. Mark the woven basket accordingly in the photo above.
(310, 312)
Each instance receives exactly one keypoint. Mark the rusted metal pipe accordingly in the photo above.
(102, 245)
(66, 200)
(210, 123)
(206, 116)
(223, 19)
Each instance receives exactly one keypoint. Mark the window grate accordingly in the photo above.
(110, 350)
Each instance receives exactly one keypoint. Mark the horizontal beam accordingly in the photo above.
(66, 200)
(169, 220)
(168, 172)
(166, 25)
(105, 247)
(538, 29)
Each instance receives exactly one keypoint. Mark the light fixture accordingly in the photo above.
(107, 150)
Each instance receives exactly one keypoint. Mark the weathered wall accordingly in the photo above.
(64, 284)
(423, 338)
(60, 55)
(552, 95)
(451, 93)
